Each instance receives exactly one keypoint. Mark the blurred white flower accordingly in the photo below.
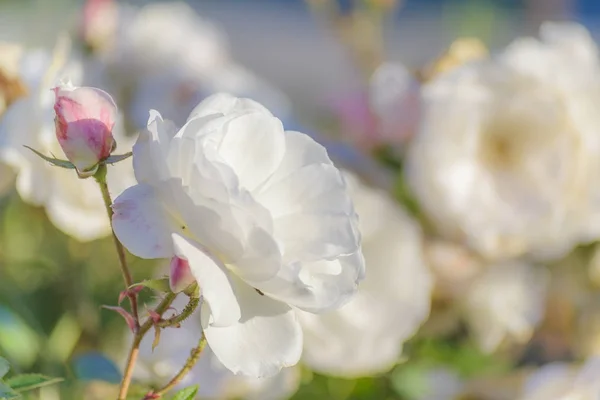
(75, 206)
(453, 266)
(394, 98)
(169, 58)
(261, 215)
(366, 335)
(559, 381)
(11, 86)
(176, 95)
(215, 381)
(506, 155)
(505, 302)
(166, 36)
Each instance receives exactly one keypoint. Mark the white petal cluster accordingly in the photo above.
(366, 335)
(75, 206)
(506, 301)
(166, 36)
(262, 217)
(171, 58)
(506, 154)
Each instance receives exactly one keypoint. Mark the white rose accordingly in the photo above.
(506, 301)
(394, 98)
(166, 36)
(506, 156)
(75, 206)
(177, 94)
(560, 381)
(365, 336)
(262, 217)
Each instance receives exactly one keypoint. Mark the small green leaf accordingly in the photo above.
(117, 158)
(6, 393)
(26, 382)
(54, 161)
(160, 285)
(4, 367)
(188, 393)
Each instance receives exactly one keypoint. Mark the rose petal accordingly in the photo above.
(213, 279)
(223, 103)
(266, 339)
(253, 145)
(317, 286)
(141, 223)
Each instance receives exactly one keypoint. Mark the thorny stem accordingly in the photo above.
(189, 364)
(101, 179)
(179, 318)
(139, 332)
(135, 346)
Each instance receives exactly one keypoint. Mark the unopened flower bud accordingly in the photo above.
(85, 117)
(180, 276)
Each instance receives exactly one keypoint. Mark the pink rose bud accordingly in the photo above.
(181, 276)
(85, 117)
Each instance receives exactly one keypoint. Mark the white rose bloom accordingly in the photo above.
(506, 156)
(215, 381)
(11, 88)
(166, 36)
(366, 335)
(75, 206)
(394, 98)
(262, 217)
(506, 301)
(559, 381)
(176, 95)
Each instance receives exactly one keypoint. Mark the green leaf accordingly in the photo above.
(117, 158)
(160, 285)
(7, 393)
(54, 161)
(188, 393)
(4, 367)
(26, 382)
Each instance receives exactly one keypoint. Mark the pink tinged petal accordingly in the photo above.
(85, 118)
(266, 339)
(253, 145)
(142, 224)
(180, 275)
(317, 286)
(223, 103)
(213, 279)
